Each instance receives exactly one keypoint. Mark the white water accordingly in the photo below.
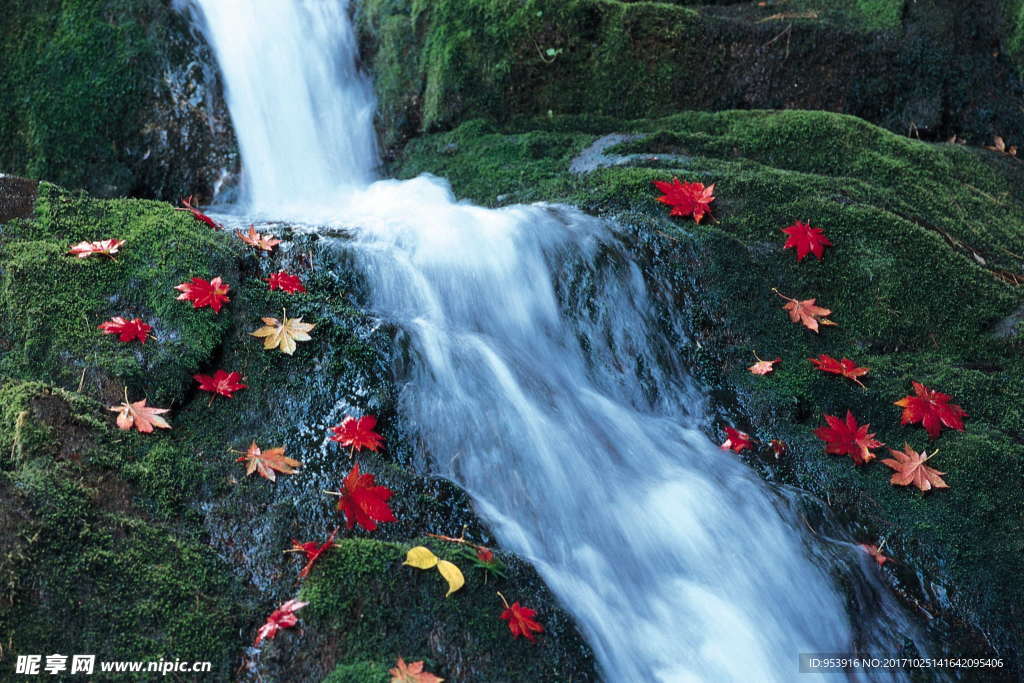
(541, 380)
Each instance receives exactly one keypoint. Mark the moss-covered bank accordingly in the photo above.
(109, 95)
(157, 545)
(932, 69)
(924, 281)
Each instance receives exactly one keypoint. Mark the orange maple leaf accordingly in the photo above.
(805, 312)
(763, 367)
(267, 462)
(139, 415)
(258, 240)
(911, 469)
(411, 673)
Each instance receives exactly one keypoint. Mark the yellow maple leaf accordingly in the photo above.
(282, 334)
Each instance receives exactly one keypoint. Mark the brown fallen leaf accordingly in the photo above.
(267, 462)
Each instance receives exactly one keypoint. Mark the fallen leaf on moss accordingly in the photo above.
(846, 437)
(201, 292)
(221, 383)
(763, 367)
(686, 199)
(845, 367)
(911, 469)
(806, 240)
(420, 557)
(144, 418)
(932, 409)
(452, 574)
(411, 673)
(186, 205)
(283, 334)
(806, 312)
(286, 282)
(126, 330)
(267, 462)
(778, 447)
(105, 247)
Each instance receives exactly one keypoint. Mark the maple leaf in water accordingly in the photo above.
(258, 240)
(221, 383)
(686, 199)
(932, 409)
(105, 247)
(358, 433)
(282, 617)
(186, 205)
(126, 330)
(411, 673)
(845, 367)
(283, 334)
(267, 462)
(806, 240)
(736, 440)
(285, 282)
(520, 621)
(846, 437)
(144, 418)
(312, 551)
(874, 551)
(200, 292)
(763, 367)
(911, 469)
(362, 502)
(805, 312)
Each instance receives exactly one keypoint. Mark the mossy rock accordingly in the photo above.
(926, 68)
(925, 282)
(83, 569)
(51, 303)
(110, 96)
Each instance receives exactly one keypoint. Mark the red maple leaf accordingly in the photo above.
(932, 409)
(222, 383)
(258, 240)
(520, 621)
(848, 438)
(285, 282)
(282, 617)
(779, 447)
(186, 205)
(845, 367)
(363, 502)
(357, 433)
(411, 673)
(312, 551)
(806, 240)
(736, 440)
(200, 292)
(686, 199)
(875, 552)
(126, 330)
(106, 247)
(911, 469)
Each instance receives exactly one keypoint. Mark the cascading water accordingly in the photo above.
(541, 381)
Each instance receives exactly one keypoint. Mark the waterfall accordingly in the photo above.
(542, 380)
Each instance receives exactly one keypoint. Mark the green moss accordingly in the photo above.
(927, 248)
(377, 610)
(359, 672)
(51, 303)
(83, 569)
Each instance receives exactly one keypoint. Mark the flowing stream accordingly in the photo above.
(543, 382)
